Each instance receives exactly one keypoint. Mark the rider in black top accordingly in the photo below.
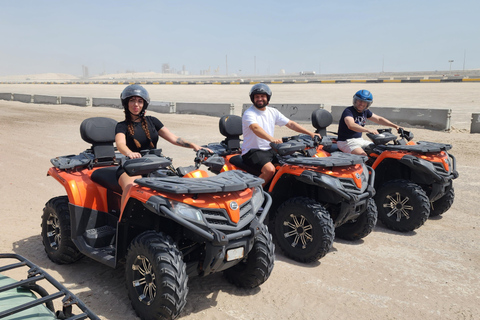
(139, 132)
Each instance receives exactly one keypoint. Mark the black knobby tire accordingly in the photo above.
(443, 204)
(303, 229)
(156, 276)
(402, 205)
(360, 227)
(257, 267)
(57, 232)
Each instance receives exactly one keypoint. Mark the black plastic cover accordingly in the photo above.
(337, 159)
(382, 138)
(145, 165)
(81, 160)
(224, 182)
(288, 148)
(421, 146)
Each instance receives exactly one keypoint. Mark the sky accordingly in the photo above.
(238, 37)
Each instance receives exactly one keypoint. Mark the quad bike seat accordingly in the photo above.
(321, 119)
(100, 133)
(237, 161)
(231, 127)
(107, 177)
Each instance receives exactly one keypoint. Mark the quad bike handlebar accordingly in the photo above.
(384, 136)
(150, 161)
(210, 159)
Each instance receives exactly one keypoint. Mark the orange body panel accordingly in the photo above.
(441, 157)
(204, 201)
(83, 192)
(80, 190)
(349, 172)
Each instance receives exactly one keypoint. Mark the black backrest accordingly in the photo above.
(321, 119)
(100, 132)
(231, 127)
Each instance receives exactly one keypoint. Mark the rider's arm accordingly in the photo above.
(292, 125)
(259, 132)
(383, 121)
(121, 143)
(356, 127)
(173, 139)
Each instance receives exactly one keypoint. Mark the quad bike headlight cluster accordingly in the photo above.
(257, 199)
(186, 211)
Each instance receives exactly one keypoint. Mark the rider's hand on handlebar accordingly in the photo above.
(372, 131)
(134, 155)
(197, 148)
(277, 141)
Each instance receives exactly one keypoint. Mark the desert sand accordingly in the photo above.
(431, 273)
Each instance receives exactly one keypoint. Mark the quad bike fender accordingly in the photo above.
(160, 206)
(386, 155)
(80, 190)
(424, 166)
(217, 243)
(332, 183)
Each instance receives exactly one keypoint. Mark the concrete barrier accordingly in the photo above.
(436, 119)
(475, 127)
(6, 96)
(76, 101)
(208, 109)
(107, 102)
(162, 107)
(295, 112)
(38, 98)
(28, 98)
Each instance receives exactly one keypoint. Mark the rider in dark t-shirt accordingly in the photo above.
(154, 125)
(139, 132)
(352, 124)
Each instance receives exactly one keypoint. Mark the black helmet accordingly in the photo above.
(260, 88)
(135, 90)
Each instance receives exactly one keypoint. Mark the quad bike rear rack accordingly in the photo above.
(36, 274)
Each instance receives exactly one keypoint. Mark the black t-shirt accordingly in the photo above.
(153, 126)
(360, 118)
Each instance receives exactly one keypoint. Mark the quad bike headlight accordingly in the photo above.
(186, 211)
(257, 199)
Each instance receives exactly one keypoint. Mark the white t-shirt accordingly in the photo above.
(267, 120)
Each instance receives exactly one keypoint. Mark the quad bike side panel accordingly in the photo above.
(81, 192)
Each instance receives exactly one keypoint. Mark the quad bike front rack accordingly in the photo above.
(36, 274)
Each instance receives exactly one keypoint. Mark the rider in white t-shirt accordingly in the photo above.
(258, 125)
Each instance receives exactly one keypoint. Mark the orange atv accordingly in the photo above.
(413, 180)
(314, 198)
(177, 222)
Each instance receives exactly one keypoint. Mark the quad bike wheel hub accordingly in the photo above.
(299, 230)
(144, 280)
(399, 206)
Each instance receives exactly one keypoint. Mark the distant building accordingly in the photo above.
(307, 73)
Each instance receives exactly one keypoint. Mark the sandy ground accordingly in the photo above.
(432, 273)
